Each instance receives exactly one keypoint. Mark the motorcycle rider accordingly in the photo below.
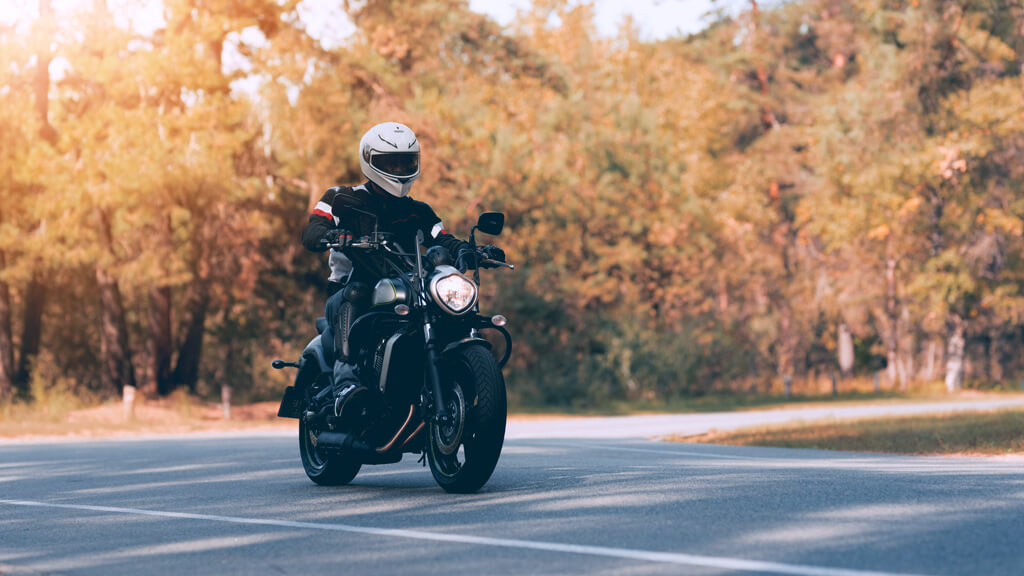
(389, 156)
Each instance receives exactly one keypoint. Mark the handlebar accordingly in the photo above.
(363, 242)
(367, 242)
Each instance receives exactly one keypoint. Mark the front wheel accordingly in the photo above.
(325, 470)
(464, 448)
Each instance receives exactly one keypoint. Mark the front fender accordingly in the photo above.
(484, 323)
(460, 344)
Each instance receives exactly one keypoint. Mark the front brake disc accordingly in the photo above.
(448, 435)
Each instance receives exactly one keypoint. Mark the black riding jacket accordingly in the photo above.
(359, 207)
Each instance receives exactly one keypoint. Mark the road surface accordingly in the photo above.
(231, 504)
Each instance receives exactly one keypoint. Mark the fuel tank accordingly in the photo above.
(390, 292)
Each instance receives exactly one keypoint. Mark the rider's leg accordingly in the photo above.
(342, 310)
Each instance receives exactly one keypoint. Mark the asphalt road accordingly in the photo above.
(229, 504)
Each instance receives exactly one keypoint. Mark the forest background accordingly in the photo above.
(818, 189)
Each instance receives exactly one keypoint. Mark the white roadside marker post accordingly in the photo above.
(225, 400)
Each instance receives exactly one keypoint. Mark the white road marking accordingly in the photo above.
(667, 452)
(674, 452)
(838, 460)
(603, 551)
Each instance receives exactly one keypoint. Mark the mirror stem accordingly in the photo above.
(476, 260)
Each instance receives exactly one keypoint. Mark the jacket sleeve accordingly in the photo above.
(436, 235)
(453, 244)
(320, 222)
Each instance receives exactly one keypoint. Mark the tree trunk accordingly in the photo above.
(995, 355)
(35, 295)
(846, 355)
(186, 370)
(905, 369)
(160, 342)
(787, 344)
(928, 364)
(1020, 344)
(117, 372)
(905, 349)
(6, 344)
(31, 333)
(891, 340)
(955, 355)
(969, 371)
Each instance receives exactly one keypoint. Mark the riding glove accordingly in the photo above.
(336, 236)
(493, 252)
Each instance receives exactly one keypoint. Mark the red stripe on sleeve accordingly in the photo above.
(318, 212)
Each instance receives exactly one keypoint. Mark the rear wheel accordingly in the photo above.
(325, 470)
(464, 448)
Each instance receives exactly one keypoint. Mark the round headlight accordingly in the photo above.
(454, 292)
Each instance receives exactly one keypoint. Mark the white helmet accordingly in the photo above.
(389, 155)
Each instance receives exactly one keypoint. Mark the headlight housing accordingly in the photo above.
(452, 291)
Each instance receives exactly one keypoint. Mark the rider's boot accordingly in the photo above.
(344, 374)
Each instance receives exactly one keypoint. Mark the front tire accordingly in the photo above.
(473, 372)
(333, 470)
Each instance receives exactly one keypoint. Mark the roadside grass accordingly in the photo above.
(976, 433)
(179, 414)
(737, 402)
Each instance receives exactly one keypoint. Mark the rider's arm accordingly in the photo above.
(453, 244)
(434, 234)
(321, 221)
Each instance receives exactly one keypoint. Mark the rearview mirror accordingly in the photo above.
(491, 223)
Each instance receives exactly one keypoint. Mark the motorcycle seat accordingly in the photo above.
(321, 325)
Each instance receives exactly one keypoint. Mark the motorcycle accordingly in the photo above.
(422, 365)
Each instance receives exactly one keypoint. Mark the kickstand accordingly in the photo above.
(423, 458)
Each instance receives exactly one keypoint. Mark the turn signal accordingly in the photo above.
(499, 320)
(402, 310)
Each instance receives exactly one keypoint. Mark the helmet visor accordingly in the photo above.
(399, 164)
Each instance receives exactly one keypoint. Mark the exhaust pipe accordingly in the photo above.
(342, 442)
(349, 444)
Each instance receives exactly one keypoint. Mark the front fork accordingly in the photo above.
(433, 358)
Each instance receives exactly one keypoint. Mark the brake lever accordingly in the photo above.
(387, 248)
(497, 263)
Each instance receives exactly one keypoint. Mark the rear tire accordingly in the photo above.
(474, 370)
(333, 470)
